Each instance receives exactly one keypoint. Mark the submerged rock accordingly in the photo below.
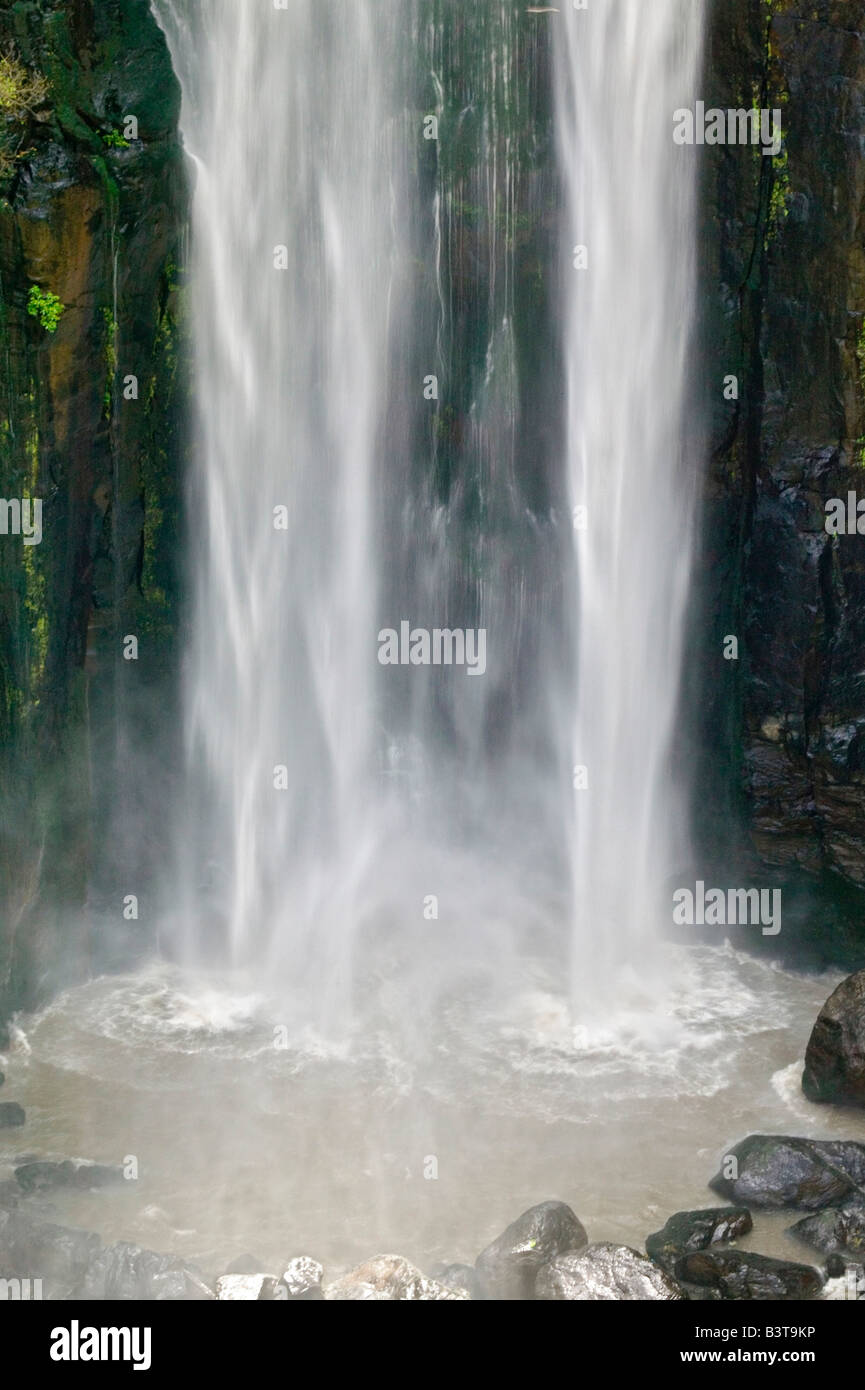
(509, 1266)
(739, 1274)
(389, 1277)
(302, 1280)
(689, 1231)
(778, 1171)
(838, 1229)
(11, 1115)
(835, 1057)
(45, 1175)
(10, 1193)
(606, 1272)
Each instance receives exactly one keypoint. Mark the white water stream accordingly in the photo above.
(622, 69)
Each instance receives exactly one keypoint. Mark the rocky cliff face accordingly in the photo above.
(92, 207)
(784, 268)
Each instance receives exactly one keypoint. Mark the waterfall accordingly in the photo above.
(395, 787)
(339, 264)
(623, 68)
(289, 120)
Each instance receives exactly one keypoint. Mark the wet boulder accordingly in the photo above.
(770, 1171)
(834, 1230)
(30, 1248)
(509, 1266)
(301, 1280)
(11, 1115)
(835, 1056)
(74, 1264)
(355, 1291)
(689, 1231)
(246, 1288)
(390, 1278)
(606, 1272)
(739, 1274)
(125, 1272)
(463, 1277)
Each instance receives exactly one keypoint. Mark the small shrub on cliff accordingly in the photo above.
(46, 307)
(22, 91)
(23, 94)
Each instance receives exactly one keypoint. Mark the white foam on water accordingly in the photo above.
(244, 1146)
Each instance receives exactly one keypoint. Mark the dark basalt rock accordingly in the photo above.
(47, 1176)
(508, 1266)
(835, 1057)
(696, 1230)
(782, 298)
(778, 1171)
(58, 1255)
(606, 1272)
(739, 1274)
(11, 1115)
(128, 1273)
(838, 1229)
(272, 1290)
(75, 1265)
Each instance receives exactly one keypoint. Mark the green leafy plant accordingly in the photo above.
(114, 140)
(46, 307)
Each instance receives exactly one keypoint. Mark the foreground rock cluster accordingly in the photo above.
(544, 1255)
